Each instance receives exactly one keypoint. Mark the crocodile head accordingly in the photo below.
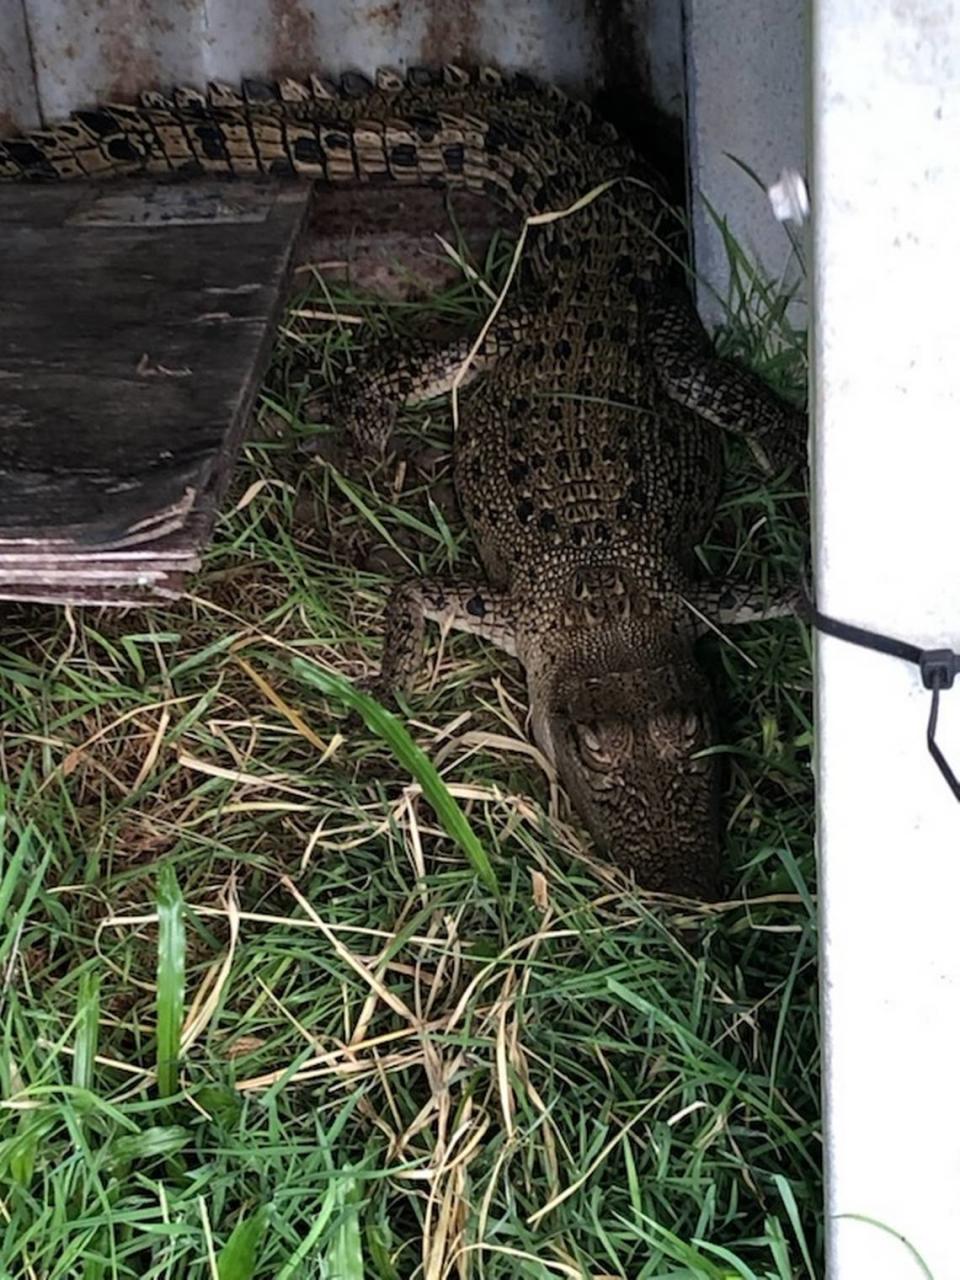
(627, 745)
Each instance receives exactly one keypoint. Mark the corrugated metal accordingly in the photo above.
(18, 93)
(745, 60)
(109, 49)
(88, 49)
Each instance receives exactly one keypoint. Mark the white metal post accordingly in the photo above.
(886, 366)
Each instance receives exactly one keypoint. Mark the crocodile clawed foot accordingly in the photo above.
(364, 423)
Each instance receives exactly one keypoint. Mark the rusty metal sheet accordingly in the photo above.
(85, 53)
(111, 51)
(19, 107)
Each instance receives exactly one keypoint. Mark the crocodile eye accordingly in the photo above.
(604, 745)
(677, 734)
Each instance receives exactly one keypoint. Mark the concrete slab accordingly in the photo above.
(747, 92)
(886, 187)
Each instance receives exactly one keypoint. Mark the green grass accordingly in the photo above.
(268, 1012)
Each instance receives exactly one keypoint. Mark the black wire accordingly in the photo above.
(938, 667)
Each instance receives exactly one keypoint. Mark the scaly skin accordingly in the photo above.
(587, 461)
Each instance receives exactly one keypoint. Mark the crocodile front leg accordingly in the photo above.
(463, 606)
(401, 373)
(716, 390)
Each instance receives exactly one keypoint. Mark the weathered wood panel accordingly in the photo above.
(135, 322)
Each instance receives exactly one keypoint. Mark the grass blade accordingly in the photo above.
(171, 968)
(793, 1213)
(88, 1030)
(386, 726)
(890, 1231)
(343, 1260)
(237, 1260)
(16, 887)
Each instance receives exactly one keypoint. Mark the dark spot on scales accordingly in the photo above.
(426, 127)
(210, 142)
(260, 91)
(453, 157)
(403, 156)
(495, 138)
(98, 122)
(308, 150)
(355, 85)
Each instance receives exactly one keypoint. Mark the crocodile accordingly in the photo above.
(588, 458)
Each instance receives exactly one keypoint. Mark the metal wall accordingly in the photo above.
(56, 55)
(745, 61)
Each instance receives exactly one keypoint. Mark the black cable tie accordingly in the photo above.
(938, 669)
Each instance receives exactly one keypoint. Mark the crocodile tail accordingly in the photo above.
(525, 145)
(504, 136)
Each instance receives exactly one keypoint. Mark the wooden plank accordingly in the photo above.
(135, 322)
(126, 595)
